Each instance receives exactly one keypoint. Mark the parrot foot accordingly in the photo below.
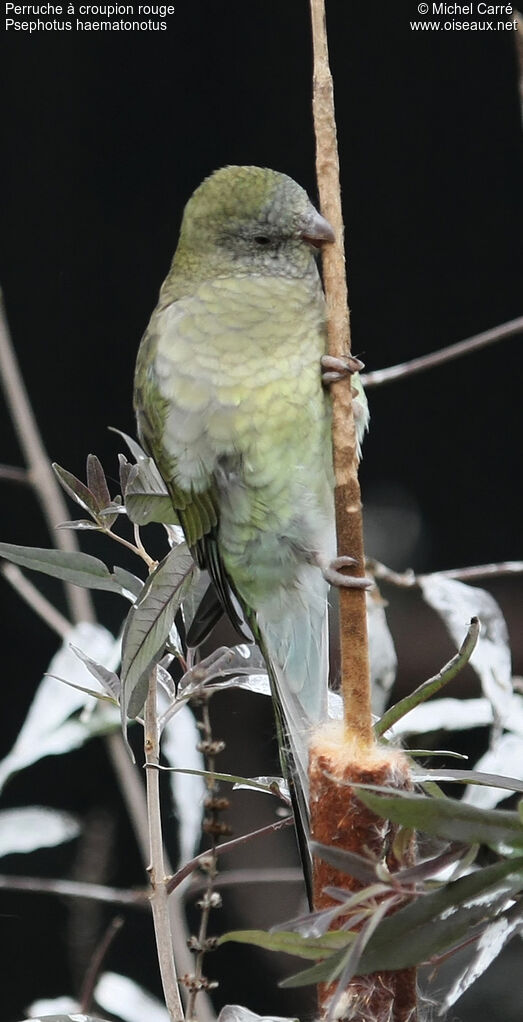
(332, 574)
(335, 369)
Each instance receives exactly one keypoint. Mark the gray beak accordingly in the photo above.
(317, 229)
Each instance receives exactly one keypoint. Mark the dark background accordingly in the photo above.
(105, 137)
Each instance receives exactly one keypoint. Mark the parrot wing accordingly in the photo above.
(197, 511)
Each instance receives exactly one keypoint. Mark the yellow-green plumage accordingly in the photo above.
(230, 404)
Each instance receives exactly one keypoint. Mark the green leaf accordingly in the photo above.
(322, 972)
(74, 1017)
(146, 498)
(438, 921)
(469, 777)
(447, 818)
(77, 490)
(148, 625)
(291, 943)
(433, 685)
(70, 566)
(80, 523)
(252, 783)
(132, 444)
(347, 862)
(124, 470)
(128, 581)
(427, 926)
(109, 681)
(97, 482)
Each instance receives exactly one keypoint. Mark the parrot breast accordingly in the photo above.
(238, 366)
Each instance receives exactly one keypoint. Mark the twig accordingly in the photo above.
(15, 475)
(76, 889)
(432, 685)
(41, 473)
(436, 358)
(159, 897)
(355, 670)
(227, 846)
(97, 960)
(196, 981)
(139, 898)
(233, 877)
(36, 600)
(408, 580)
(138, 550)
(485, 570)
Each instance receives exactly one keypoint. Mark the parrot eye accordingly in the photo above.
(262, 239)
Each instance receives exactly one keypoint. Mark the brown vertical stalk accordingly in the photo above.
(355, 671)
(344, 756)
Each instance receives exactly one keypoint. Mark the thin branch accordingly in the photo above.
(159, 896)
(36, 600)
(227, 846)
(436, 358)
(212, 826)
(11, 474)
(97, 960)
(233, 877)
(76, 889)
(485, 571)
(138, 550)
(41, 473)
(432, 685)
(408, 580)
(355, 668)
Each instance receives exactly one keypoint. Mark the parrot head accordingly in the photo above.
(249, 220)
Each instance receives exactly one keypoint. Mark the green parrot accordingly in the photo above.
(231, 405)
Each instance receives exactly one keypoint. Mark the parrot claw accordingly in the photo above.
(335, 369)
(332, 574)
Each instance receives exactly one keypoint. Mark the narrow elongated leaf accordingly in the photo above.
(236, 1013)
(447, 818)
(429, 939)
(133, 445)
(427, 926)
(444, 714)
(456, 602)
(251, 783)
(76, 489)
(131, 585)
(74, 1016)
(506, 756)
(347, 862)
(291, 943)
(488, 947)
(354, 953)
(148, 624)
(413, 933)
(70, 566)
(146, 497)
(81, 525)
(31, 827)
(180, 742)
(53, 724)
(121, 996)
(109, 680)
(323, 972)
(476, 777)
(124, 471)
(97, 482)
